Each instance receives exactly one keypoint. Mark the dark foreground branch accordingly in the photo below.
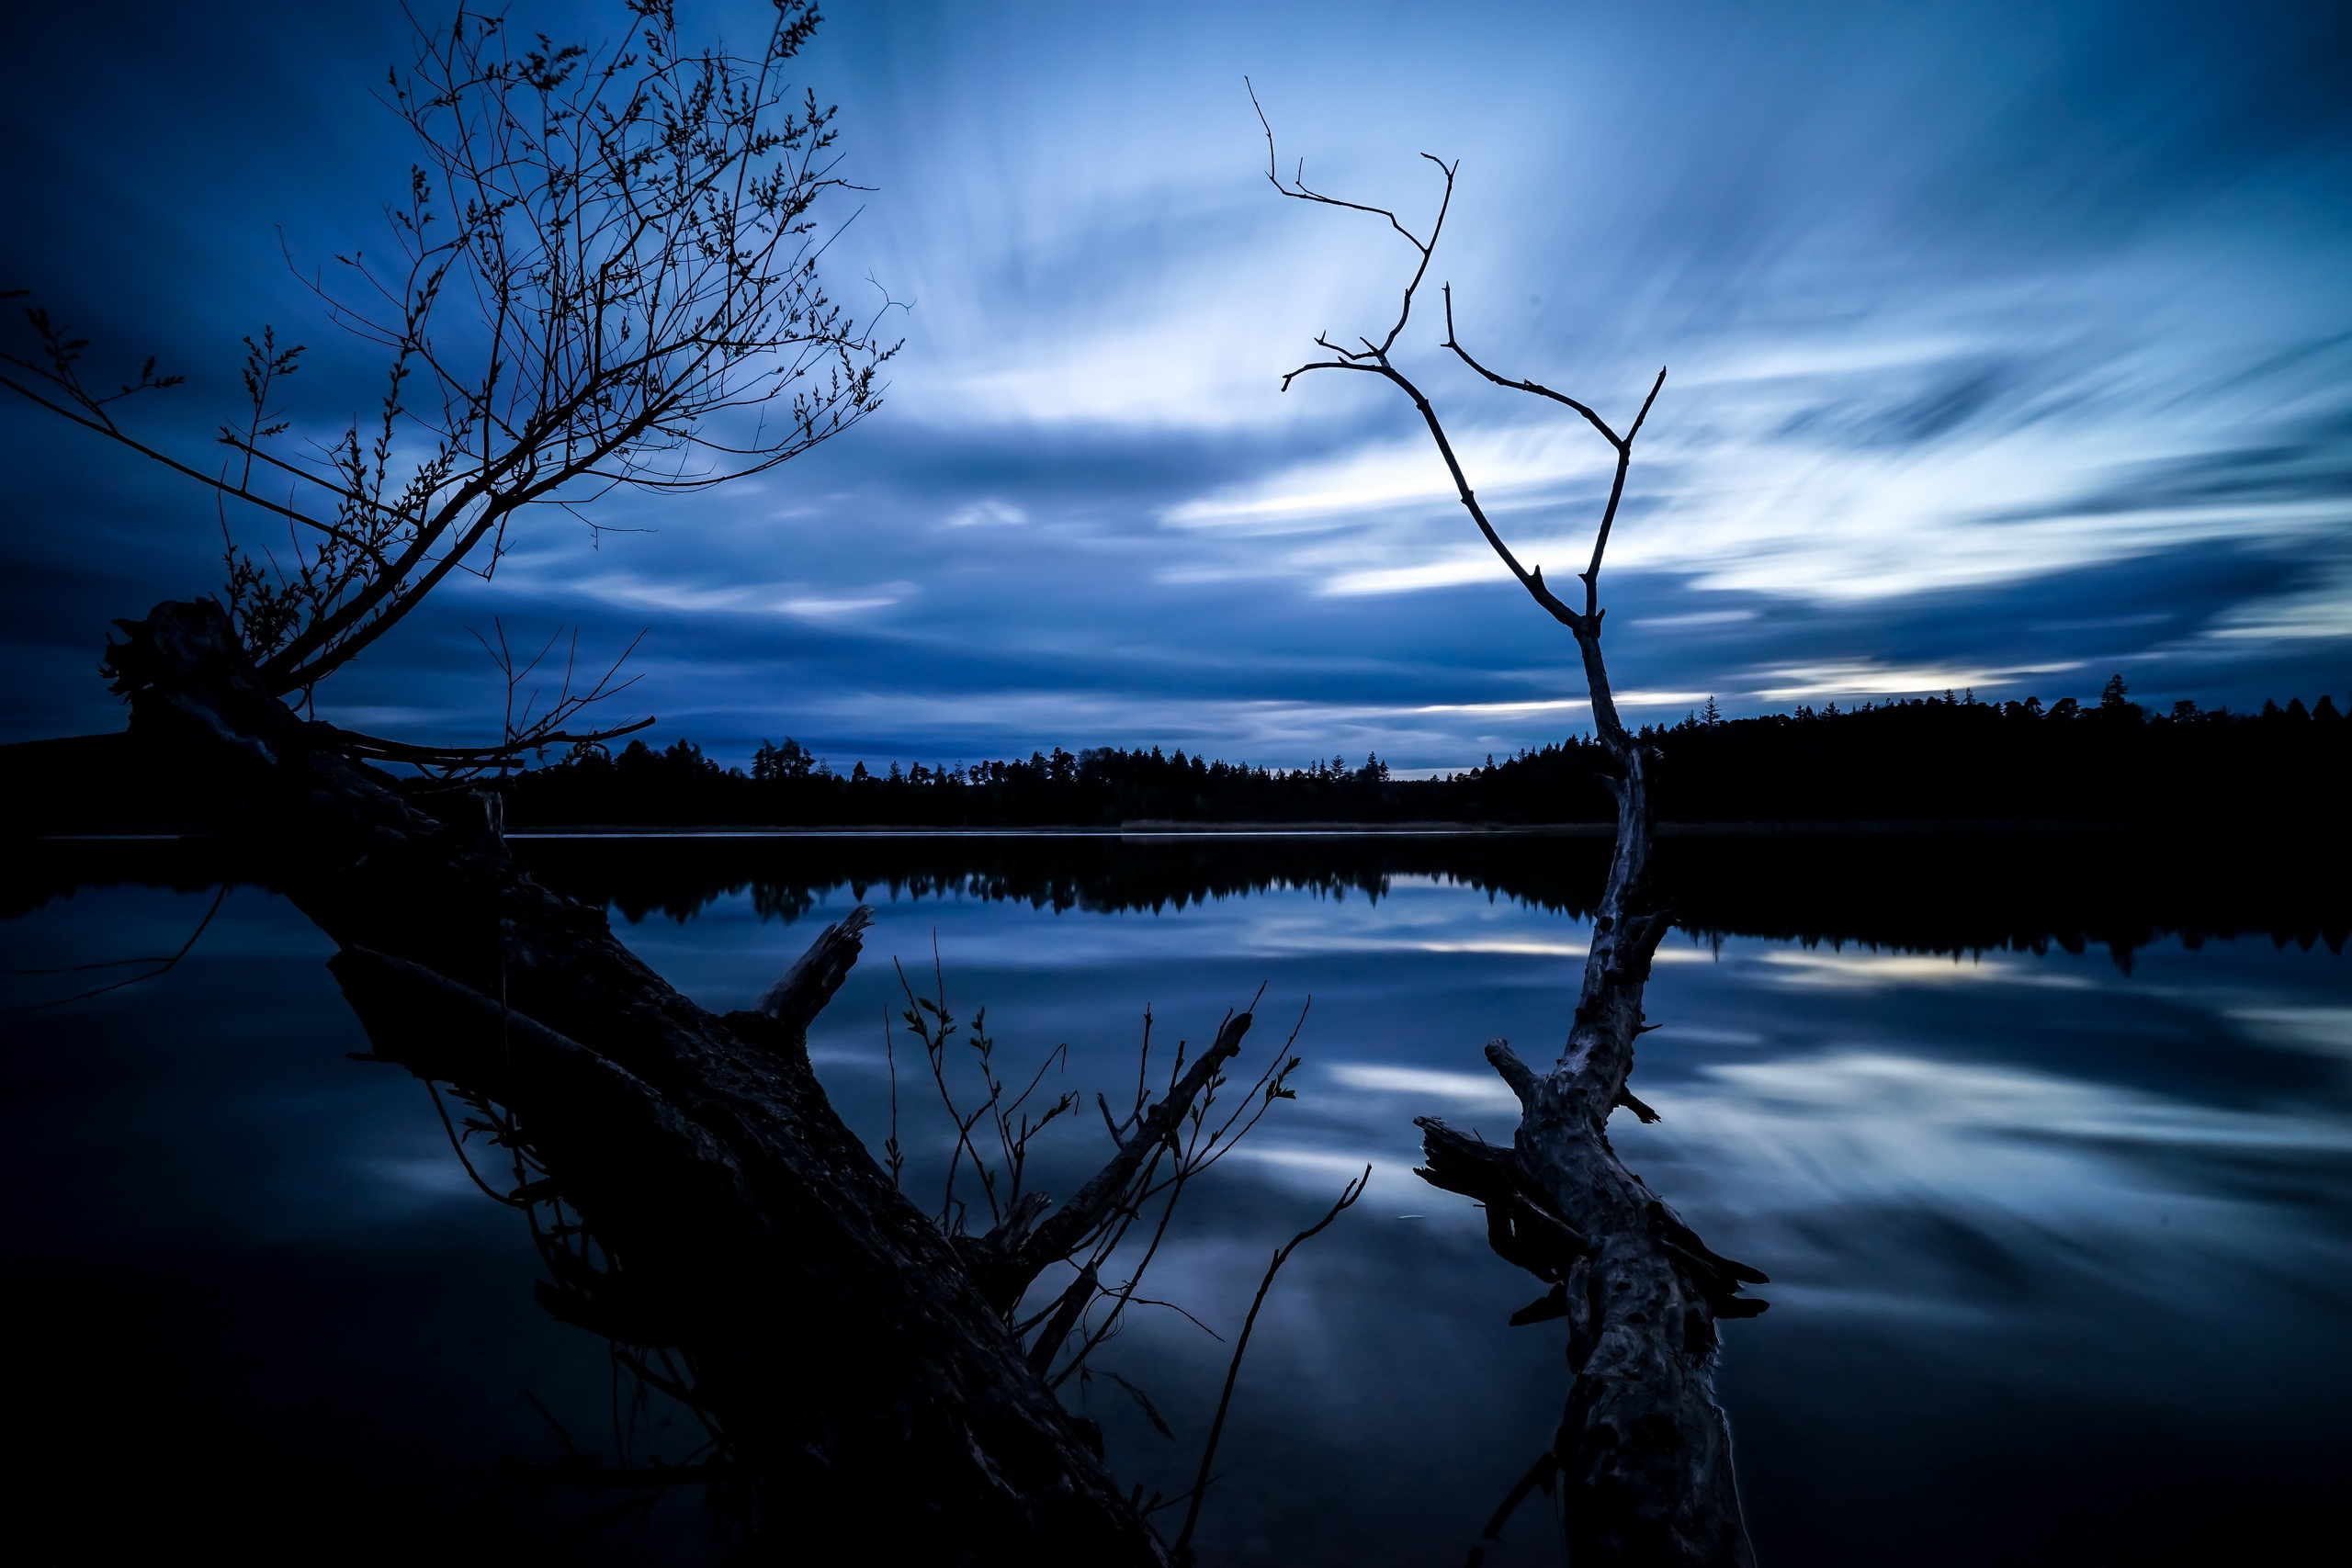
(809, 983)
(1024, 1252)
(873, 1402)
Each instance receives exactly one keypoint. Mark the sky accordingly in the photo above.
(2010, 348)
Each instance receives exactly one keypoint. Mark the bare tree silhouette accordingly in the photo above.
(1642, 1451)
(603, 276)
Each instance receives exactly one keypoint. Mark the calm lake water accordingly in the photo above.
(2049, 1159)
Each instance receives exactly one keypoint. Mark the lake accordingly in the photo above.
(2044, 1139)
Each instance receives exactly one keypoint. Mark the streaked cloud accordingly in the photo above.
(2325, 1030)
(1798, 682)
(1995, 361)
(1866, 970)
(985, 512)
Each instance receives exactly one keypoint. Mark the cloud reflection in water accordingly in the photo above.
(2058, 1253)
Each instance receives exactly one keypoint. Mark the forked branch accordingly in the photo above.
(1376, 359)
(1623, 445)
(1297, 188)
(1062, 1233)
(1642, 1450)
(604, 274)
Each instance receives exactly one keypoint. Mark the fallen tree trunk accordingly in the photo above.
(1642, 1451)
(874, 1404)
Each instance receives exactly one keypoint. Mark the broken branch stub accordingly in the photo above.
(795, 1001)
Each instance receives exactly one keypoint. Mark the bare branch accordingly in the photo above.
(1542, 391)
(603, 273)
(1374, 359)
(375, 748)
(160, 965)
(1066, 1313)
(1297, 191)
(1516, 1073)
(1066, 1229)
(1642, 1112)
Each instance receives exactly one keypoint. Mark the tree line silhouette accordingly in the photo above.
(1949, 759)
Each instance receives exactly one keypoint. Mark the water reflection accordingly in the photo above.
(1919, 892)
(2059, 1253)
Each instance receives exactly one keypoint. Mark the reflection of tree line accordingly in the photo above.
(1927, 892)
(1941, 893)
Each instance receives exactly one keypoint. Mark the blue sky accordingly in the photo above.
(2010, 347)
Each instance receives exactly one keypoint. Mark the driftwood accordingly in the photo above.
(1642, 1453)
(875, 1406)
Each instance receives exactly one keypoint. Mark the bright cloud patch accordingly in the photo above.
(1482, 1090)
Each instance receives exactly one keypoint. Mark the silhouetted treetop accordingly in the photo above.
(1935, 758)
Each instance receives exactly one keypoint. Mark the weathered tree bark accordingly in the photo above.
(872, 1398)
(1642, 1448)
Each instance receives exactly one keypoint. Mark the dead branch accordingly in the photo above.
(160, 966)
(1063, 1232)
(1642, 1448)
(602, 274)
(1029, 1234)
(810, 983)
(714, 1210)
(1199, 1141)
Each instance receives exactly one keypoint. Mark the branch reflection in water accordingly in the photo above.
(2068, 1239)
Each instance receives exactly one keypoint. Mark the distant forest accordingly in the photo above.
(1949, 759)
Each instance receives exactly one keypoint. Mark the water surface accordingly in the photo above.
(2053, 1192)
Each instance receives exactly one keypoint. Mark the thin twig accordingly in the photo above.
(897, 1158)
(163, 965)
(1241, 1347)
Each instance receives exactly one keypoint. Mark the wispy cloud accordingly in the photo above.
(985, 512)
(743, 599)
(1873, 971)
(1480, 1091)
(1798, 682)
(1988, 367)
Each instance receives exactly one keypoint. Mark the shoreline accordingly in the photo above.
(1166, 829)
